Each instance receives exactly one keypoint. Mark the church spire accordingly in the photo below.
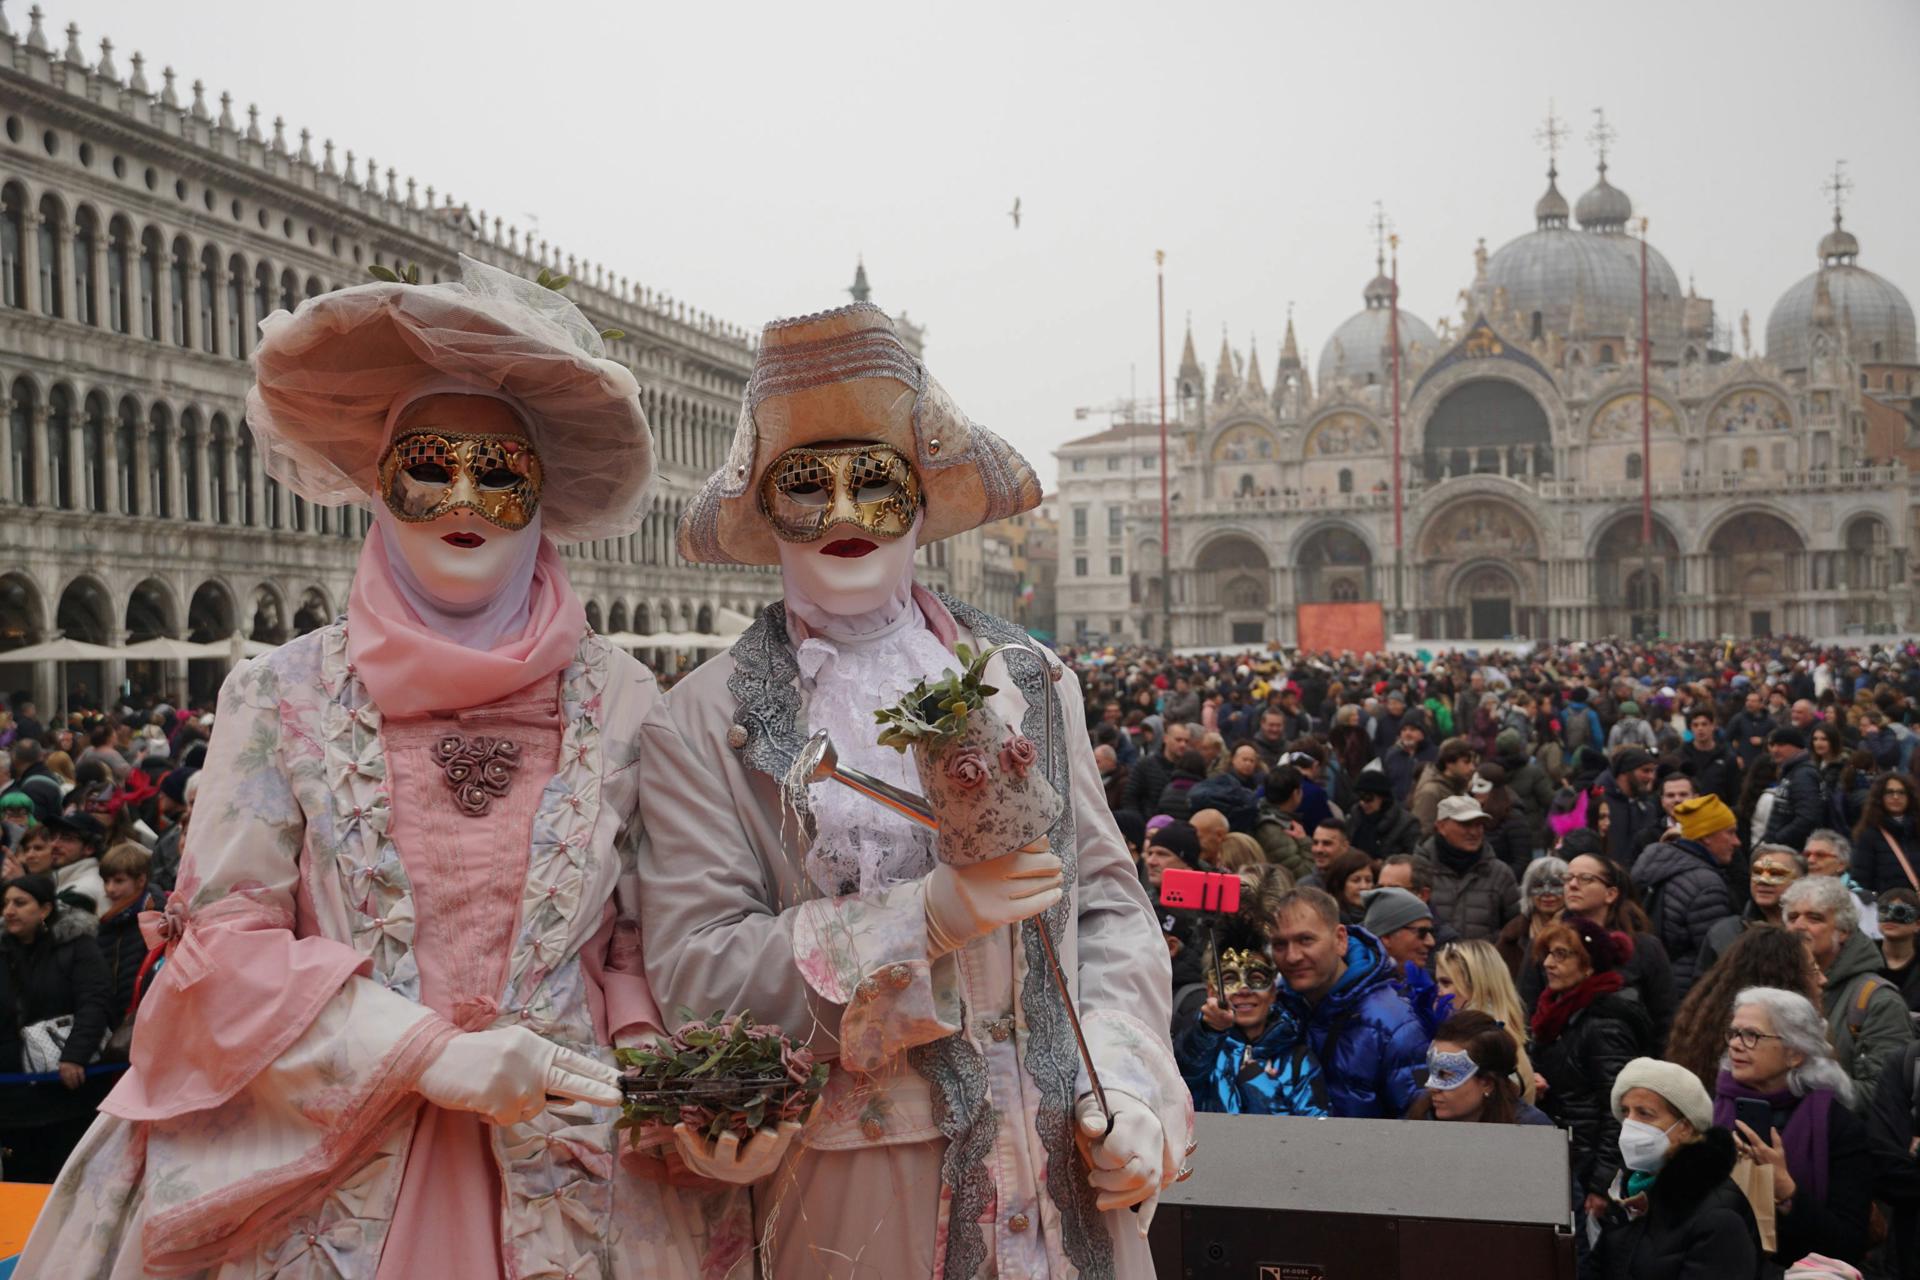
(1551, 209)
(1226, 379)
(860, 290)
(1255, 388)
(1191, 373)
(1289, 347)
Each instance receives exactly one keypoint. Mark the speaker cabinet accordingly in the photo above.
(1286, 1198)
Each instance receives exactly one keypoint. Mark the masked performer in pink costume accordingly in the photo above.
(404, 941)
(957, 1137)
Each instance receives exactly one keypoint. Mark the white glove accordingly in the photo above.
(1127, 1164)
(728, 1161)
(506, 1074)
(964, 903)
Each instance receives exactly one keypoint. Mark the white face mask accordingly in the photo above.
(847, 586)
(461, 577)
(1643, 1148)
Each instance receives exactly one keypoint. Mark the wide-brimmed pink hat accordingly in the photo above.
(328, 374)
(846, 375)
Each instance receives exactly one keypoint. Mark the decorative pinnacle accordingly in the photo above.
(1836, 189)
(106, 69)
(1601, 136)
(1381, 226)
(1550, 135)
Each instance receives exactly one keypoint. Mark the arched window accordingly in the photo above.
(208, 300)
(190, 464)
(177, 301)
(119, 251)
(59, 424)
(93, 454)
(13, 282)
(160, 460)
(243, 475)
(289, 290)
(126, 459)
(86, 241)
(25, 458)
(1635, 466)
(236, 306)
(151, 303)
(1539, 329)
(262, 292)
(53, 301)
(218, 447)
(1346, 480)
(1606, 353)
(273, 503)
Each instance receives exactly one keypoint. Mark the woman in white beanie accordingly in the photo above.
(1683, 1214)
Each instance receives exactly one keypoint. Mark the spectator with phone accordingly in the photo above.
(1899, 924)
(1243, 1055)
(1789, 1105)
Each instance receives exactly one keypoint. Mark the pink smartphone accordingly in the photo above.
(1200, 891)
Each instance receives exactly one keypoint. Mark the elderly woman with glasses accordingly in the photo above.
(1815, 1147)
(1599, 890)
(1887, 841)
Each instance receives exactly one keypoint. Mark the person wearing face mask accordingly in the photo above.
(1682, 1213)
(404, 942)
(1247, 1056)
(958, 1134)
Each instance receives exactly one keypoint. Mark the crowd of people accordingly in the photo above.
(1664, 897)
(92, 812)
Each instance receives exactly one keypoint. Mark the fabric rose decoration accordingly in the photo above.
(966, 770)
(1017, 755)
(477, 769)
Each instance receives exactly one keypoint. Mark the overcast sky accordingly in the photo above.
(742, 155)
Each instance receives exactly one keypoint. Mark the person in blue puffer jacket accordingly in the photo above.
(1247, 1056)
(1339, 987)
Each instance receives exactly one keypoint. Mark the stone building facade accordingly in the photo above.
(1781, 488)
(144, 233)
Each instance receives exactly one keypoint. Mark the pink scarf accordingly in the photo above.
(411, 669)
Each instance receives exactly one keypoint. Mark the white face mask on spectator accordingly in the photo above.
(1643, 1148)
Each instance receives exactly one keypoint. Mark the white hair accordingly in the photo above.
(1841, 846)
(1800, 1025)
(1824, 893)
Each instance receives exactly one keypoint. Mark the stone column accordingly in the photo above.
(30, 265)
(110, 464)
(189, 305)
(143, 468)
(43, 456)
(76, 482)
(6, 453)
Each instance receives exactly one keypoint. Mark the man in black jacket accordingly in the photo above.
(1748, 729)
(1628, 790)
(1152, 772)
(1708, 761)
(1683, 885)
(1800, 803)
(1380, 827)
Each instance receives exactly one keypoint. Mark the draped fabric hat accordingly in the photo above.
(846, 375)
(328, 374)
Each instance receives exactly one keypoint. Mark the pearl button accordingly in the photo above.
(737, 736)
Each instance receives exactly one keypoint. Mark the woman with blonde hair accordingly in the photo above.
(1476, 976)
(60, 764)
(1240, 851)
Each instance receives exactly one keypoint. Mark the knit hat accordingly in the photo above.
(1606, 950)
(1629, 708)
(1701, 816)
(1631, 758)
(1390, 909)
(1787, 736)
(1680, 1087)
(40, 886)
(1373, 782)
(1507, 743)
(1132, 829)
(1179, 838)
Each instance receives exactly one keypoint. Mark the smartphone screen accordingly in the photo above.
(1756, 1115)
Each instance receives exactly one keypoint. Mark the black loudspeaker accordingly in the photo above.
(1288, 1198)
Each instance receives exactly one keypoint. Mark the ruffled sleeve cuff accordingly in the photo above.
(868, 952)
(1134, 1060)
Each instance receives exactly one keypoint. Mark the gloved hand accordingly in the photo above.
(1128, 1164)
(726, 1160)
(506, 1074)
(964, 903)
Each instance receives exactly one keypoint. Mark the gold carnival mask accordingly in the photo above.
(1245, 971)
(428, 474)
(808, 490)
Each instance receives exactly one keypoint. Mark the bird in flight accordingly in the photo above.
(1014, 213)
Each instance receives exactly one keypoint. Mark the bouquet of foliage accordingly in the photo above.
(716, 1076)
(977, 772)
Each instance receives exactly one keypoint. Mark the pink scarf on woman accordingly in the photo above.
(411, 669)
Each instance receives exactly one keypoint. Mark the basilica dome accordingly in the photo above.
(1545, 271)
(1874, 310)
(1358, 350)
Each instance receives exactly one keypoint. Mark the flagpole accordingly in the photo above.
(1166, 520)
(1393, 340)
